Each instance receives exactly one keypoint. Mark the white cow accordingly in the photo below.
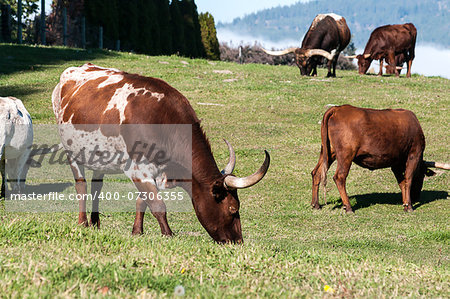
(16, 138)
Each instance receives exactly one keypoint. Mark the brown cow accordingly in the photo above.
(372, 139)
(327, 36)
(106, 111)
(399, 60)
(386, 42)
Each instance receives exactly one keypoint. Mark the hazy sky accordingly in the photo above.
(227, 10)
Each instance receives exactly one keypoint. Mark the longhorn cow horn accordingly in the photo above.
(279, 53)
(351, 56)
(366, 55)
(320, 52)
(231, 160)
(445, 166)
(232, 182)
(397, 67)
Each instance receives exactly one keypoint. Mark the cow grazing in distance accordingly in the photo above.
(16, 139)
(327, 36)
(372, 139)
(386, 42)
(106, 110)
(399, 60)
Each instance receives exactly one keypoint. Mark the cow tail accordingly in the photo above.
(325, 151)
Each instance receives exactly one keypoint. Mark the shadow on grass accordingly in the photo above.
(18, 58)
(19, 90)
(367, 200)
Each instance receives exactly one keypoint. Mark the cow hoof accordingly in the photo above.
(95, 224)
(167, 233)
(83, 223)
(348, 210)
(316, 207)
(409, 210)
(136, 232)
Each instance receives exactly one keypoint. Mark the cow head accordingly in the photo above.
(303, 61)
(364, 61)
(306, 59)
(218, 208)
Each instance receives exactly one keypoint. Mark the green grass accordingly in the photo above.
(289, 250)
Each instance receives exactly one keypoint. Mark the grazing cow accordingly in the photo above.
(89, 100)
(372, 139)
(327, 36)
(399, 60)
(385, 43)
(16, 138)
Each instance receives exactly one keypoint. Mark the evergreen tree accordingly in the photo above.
(128, 27)
(177, 28)
(197, 32)
(189, 29)
(209, 36)
(104, 13)
(192, 35)
(162, 8)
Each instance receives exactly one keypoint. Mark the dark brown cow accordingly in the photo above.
(399, 60)
(106, 111)
(372, 139)
(385, 43)
(327, 36)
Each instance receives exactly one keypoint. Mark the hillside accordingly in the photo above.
(431, 17)
(289, 250)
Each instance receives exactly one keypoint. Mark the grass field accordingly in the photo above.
(289, 250)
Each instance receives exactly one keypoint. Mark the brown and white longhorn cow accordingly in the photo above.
(372, 139)
(386, 42)
(107, 110)
(327, 36)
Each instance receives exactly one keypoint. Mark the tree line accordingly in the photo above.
(154, 27)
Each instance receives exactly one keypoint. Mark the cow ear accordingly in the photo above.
(218, 190)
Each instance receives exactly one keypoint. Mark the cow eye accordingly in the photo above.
(233, 210)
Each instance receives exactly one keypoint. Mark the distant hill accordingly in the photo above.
(431, 18)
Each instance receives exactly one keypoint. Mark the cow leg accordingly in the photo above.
(380, 72)
(398, 172)
(2, 170)
(81, 188)
(11, 171)
(22, 169)
(329, 63)
(340, 177)
(96, 188)
(319, 177)
(157, 207)
(138, 227)
(408, 73)
(410, 172)
(335, 60)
